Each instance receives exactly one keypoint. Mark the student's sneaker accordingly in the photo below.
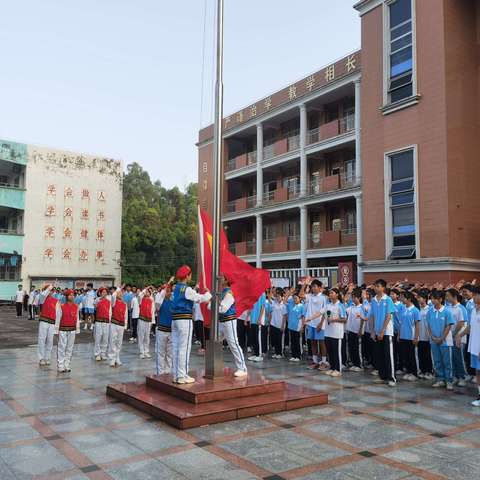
(439, 384)
(91, 327)
(258, 359)
(112, 363)
(85, 327)
(291, 359)
(391, 383)
(98, 358)
(240, 373)
(142, 356)
(296, 360)
(119, 363)
(327, 372)
(374, 373)
(356, 369)
(249, 350)
(41, 362)
(461, 383)
(147, 355)
(412, 378)
(68, 369)
(421, 376)
(104, 358)
(189, 379)
(428, 376)
(449, 386)
(196, 342)
(378, 380)
(252, 358)
(61, 370)
(131, 340)
(476, 403)
(47, 362)
(336, 373)
(180, 381)
(324, 366)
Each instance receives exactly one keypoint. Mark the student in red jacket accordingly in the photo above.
(67, 325)
(117, 326)
(145, 320)
(46, 325)
(102, 324)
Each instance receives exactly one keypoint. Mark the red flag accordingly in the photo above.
(247, 282)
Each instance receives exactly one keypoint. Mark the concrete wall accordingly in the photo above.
(50, 176)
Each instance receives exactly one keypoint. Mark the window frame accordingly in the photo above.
(388, 105)
(389, 237)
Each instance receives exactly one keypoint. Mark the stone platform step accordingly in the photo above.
(213, 401)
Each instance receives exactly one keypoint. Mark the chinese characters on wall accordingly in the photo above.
(79, 220)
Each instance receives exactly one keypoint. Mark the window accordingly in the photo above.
(291, 229)
(400, 56)
(349, 169)
(350, 222)
(402, 205)
(10, 266)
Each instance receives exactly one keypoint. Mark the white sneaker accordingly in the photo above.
(291, 359)
(412, 378)
(428, 376)
(439, 384)
(98, 358)
(421, 375)
(328, 372)
(180, 381)
(47, 362)
(147, 355)
(356, 369)
(252, 358)
(296, 360)
(336, 373)
(258, 359)
(476, 403)
(61, 369)
(91, 327)
(142, 356)
(189, 379)
(240, 373)
(391, 383)
(449, 386)
(119, 363)
(41, 362)
(374, 373)
(112, 364)
(85, 327)
(462, 383)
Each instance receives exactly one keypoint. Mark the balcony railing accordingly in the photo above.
(288, 143)
(331, 129)
(241, 204)
(243, 248)
(249, 158)
(281, 244)
(10, 231)
(280, 195)
(333, 238)
(10, 185)
(331, 183)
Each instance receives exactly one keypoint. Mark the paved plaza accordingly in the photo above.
(64, 427)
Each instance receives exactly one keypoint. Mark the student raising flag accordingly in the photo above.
(247, 283)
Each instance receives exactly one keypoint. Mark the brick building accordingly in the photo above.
(365, 168)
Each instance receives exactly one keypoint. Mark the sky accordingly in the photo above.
(123, 78)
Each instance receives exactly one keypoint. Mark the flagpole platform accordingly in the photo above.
(209, 401)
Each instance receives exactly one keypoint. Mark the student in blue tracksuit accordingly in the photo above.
(440, 323)
(409, 330)
(382, 310)
(395, 295)
(163, 336)
(256, 331)
(296, 315)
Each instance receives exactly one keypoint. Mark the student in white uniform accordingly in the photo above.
(145, 320)
(89, 306)
(102, 324)
(182, 311)
(118, 324)
(67, 325)
(356, 318)
(335, 318)
(135, 312)
(19, 296)
(277, 314)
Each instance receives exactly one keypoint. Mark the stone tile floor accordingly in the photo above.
(64, 427)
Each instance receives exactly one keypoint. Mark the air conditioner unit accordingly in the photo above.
(336, 224)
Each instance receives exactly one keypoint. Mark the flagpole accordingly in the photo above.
(214, 354)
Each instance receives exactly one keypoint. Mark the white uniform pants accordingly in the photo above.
(229, 331)
(115, 340)
(163, 352)
(45, 340)
(66, 341)
(181, 346)
(143, 336)
(101, 339)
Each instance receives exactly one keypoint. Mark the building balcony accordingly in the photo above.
(240, 161)
(12, 196)
(280, 195)
(289, 143)
(333, 239)
(331, 183)
(331, 129)
(241, 204)
(11, 243)
(281, 244)
(243, 248)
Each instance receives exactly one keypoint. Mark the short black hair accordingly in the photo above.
(90, 284)
(381, 282)
(316, 282)
(438, 295)
(357, 293)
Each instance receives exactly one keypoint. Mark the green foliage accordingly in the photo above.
(159, 228)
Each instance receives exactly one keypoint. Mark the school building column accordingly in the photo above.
(259, 164)
(303, 239)
(259, 239)
(358, 152)
(303, 155)
(359, 202)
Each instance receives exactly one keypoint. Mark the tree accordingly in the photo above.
(159, 228)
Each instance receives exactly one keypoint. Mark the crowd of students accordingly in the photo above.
(402, 331)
